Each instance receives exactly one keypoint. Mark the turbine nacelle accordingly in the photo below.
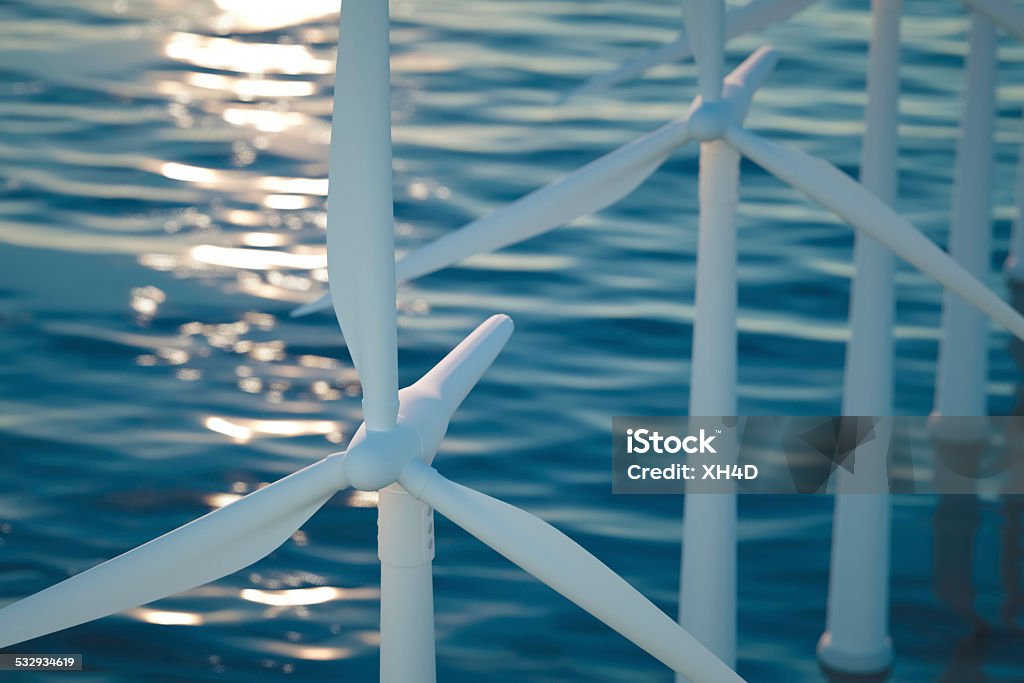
(710, 120)
(376, 459)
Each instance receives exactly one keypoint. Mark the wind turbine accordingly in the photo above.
(963, 351)
(1013, 268)
(856, 638)
(716, 120)
(391, 452)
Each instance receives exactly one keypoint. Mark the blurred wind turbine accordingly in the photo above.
(1003, 13)
(716, 120)
(391, 452)
(856, 638)
(1014, 265)
(963, 350)
(752, 17)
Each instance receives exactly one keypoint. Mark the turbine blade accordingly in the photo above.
(218, 544)
(745, 80)
(360, 220)
(676, 51)
(758, 15)
(454, 377)
(321, 304)
(591, 188)
(1003, 13)
(558, 561)
(752, 17)
(827, 185)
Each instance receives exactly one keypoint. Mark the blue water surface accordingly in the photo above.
(163, 169)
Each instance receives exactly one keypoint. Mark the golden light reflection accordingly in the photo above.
(219, 500)
(293, 597)
(251, 88)
(322, 654)
(287, 202)
(264, 239)
(153, 616)
(146, 300)
(318, 653)
(313, 186)
(363, 499)
(293, 427)
(247, 15)
(321, 362)
(222, 426)
(189, 174)
(250, 283)
(265, 120)
(421, 63)
(256, 259)
(244, 429)
(227, 54)
(249, 219)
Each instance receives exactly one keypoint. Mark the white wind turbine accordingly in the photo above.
(856, 638)
(715, 119)
(391, 452)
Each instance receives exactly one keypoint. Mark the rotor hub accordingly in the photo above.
(375, 459)
(709, 120)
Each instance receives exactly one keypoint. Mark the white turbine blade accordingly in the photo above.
(454, 377)
(757, 15)
(826, 184)
(1003, 13)
(360, 221)
(744, 81)
(558, 561)
(753, 17)
(676, 51)
(586, 190)
(206, 549)
(591, 188)
(321, 304)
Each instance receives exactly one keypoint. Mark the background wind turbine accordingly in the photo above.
(588, 189)
(1014, 265)
(963, 354)
(391, 452)
(1004, 13)
(963, 348)
(856, 638)
(707, 584)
